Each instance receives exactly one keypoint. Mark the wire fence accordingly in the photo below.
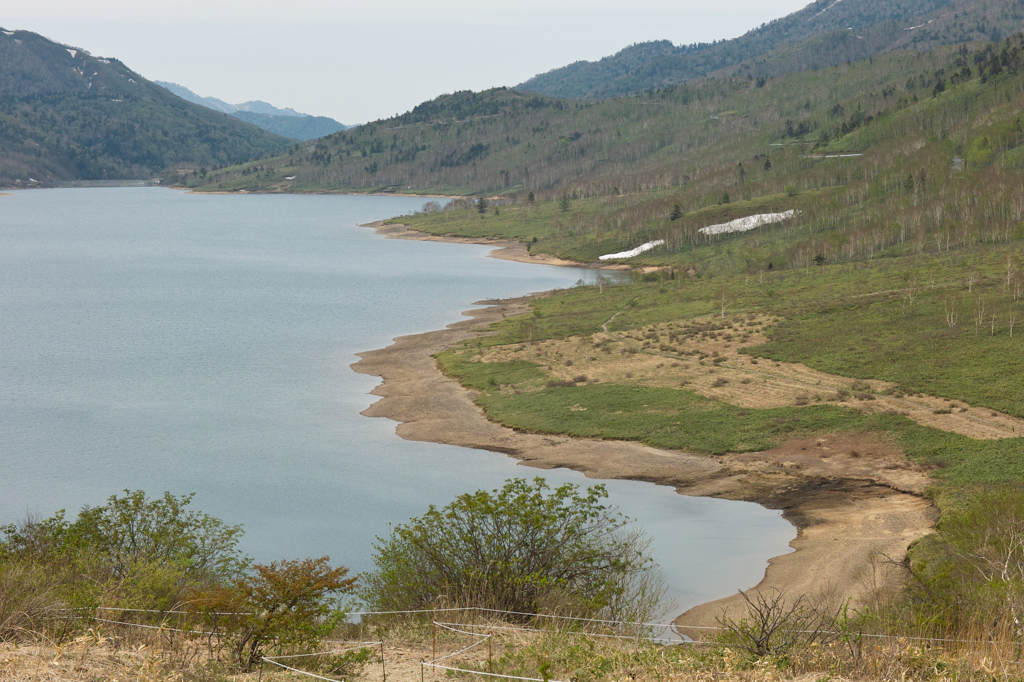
(276, 660)
(481, 632)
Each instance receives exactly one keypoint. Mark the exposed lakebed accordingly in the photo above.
(192, 343)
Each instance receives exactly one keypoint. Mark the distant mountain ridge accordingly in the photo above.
(66, 115)
(267, 116)
(828, 32)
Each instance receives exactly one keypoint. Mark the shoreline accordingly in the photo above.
(504, 249)
(190, 190)
(848, 520)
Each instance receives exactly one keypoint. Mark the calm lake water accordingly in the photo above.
(156, 340)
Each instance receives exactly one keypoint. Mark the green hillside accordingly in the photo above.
(825, 33)
(66, 115)
(874, 156)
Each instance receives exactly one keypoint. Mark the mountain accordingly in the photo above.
(825, 33)
(259, 107)
(208, 102)
(286, 122)
(66, 115)
(300, 127)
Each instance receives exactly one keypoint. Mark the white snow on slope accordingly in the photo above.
(633, 252)
(72, 52)
(748, 223)
(826, 9)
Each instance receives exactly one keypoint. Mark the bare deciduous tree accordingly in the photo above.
(775, 624)
(952, 314)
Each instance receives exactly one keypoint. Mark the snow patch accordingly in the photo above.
(748, 223)
(73, 53)
(290, 177)
(130, 80)
(633, 252)
(103, 61)
(826, 9)
(9, 33)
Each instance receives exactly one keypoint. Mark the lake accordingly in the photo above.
(158, 340)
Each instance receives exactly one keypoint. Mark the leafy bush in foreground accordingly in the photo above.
(524, 548)
(155, 554)
(287, 606)
(132, 551)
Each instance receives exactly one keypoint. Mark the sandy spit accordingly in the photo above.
(851, 519)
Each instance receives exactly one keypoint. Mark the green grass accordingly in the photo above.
(915, 352)
(514, 394)
(849, 320)
(662, 417)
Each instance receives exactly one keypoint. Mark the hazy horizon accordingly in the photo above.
(352, 64)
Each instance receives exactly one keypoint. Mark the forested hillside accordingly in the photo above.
(825, 33)
(910, 153)
(884, 153)
(66, 115)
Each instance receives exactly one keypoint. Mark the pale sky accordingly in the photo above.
(358, 62)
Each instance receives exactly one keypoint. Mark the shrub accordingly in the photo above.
(134, 530)
(288, 605)
(130, 552)
(524, 548)
(775, 624)
(29, 595)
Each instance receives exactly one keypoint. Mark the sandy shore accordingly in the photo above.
(505, 249)
(848, 513)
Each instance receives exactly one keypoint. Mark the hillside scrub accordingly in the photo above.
(970, 573)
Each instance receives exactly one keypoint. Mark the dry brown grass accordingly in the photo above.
(519, 651)
(95, 657)
(703, 355)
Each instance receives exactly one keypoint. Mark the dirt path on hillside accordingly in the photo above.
(848, 513)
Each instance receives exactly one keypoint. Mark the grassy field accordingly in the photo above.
(885, 320)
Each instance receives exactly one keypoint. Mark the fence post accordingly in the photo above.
(490, 665)
(433, 650)
(383, 669)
